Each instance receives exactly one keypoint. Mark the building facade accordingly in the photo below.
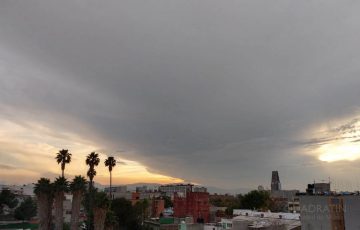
(275, 181)
(171, 189)
(194, 204)
(330, 212)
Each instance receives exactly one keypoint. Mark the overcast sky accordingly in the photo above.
(214, 92)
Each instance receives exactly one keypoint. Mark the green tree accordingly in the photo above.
(61, 186)
(256, 200)
(168, 202)
(77, 188)
(111, 221)
(110, 162)
(44, 193)
(125, 214)
(142, 210)
(7, 198)
(63, 157)
(26, 210)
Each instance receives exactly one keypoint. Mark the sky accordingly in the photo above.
(218, 93)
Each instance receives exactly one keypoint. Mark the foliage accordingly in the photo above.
(66, 226)
(101, 200)
(61, 185)
(63, 157)
(141, 208)
(19, 226)
(111, 220)
(226, 201)
(44, 192)
(256, 200)
(43, 186)
(26, 210)
(110, 162)
(78, 184)
(7, 198)
(168, 202)
(127, 216)
(92, 160)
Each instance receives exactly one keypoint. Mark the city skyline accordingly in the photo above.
(218, 93)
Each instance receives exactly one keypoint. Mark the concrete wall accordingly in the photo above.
(352, 212)
(315, 213)
(241, 225)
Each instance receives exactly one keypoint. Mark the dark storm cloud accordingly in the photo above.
(217, 92)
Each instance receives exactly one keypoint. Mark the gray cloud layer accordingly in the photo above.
(218, 92)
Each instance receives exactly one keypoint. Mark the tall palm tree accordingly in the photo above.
(44, 192)
(61, 185)
(63, 157)
(110, 162)
(101, 207)
(92, 160)
(78, 188)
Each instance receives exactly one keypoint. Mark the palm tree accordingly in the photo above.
(111, 163)
(61, 185)
(92, 160)
(63, 157)
(44, 192)
(78, 188)
(101, 207)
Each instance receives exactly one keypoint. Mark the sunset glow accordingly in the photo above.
(32, 147)
(337, 152)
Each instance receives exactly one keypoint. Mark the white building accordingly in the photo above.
(171, 189)
(118, 192)
(249, 219)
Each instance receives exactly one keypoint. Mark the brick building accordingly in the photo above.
(157, 207)
(195, 204)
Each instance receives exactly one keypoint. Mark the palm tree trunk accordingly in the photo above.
(110, 185)
(75, 210)
(62, 169)
(43, 211)
(99, 218)
(59, 208)
(49, 206)
(90, 216)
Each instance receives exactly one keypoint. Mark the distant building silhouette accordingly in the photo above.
(275, 181)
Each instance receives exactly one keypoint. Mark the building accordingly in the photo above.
(136, 197)
(173, 224)
(142, 189)
(67, 208)
(294, 205)
(330, 212)
(199, 189)
(249, 219)
(284, 200)
(194, 204)
(118, 192)
(275, 181)
(180, 189)
(318, 188)
(216, 213)
(157, 208)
